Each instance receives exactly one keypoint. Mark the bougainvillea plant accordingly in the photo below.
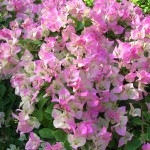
(83, 74)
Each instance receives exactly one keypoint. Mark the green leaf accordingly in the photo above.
(42, 102)
(60, 135)
(50, 108)
(59, 39)
(112, 143)
(146, 115)
(1, 105)
(37, 1)
(137, 121)
(38, 114)
(37, 42)
(79, 25)
(54, 34)
(46, 133)
(73, 56)
(2, 90)
(20, 54)
(73, 18)
(147, 98)
(24, 41)
(47, 116)
(47, 123)
(133, 144)
(67, 145)
(6, 101)
(87, 22)
(148, 132)
(144, 136)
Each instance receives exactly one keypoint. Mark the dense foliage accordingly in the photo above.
(89, 2)
(9, 102)
(82, 75)
(144, 4)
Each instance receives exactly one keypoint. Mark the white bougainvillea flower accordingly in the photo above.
(129, 92)
(125, 139)
(76, 141)
(134, 111)
(61, 119)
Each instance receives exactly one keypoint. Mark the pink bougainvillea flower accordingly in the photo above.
(144, 77)
(146, 146)
(130, 77)
(57, 146)
(102, 139)
(26, 123)
(84, 129)
(33, 143)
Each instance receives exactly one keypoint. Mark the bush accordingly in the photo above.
(82, 75)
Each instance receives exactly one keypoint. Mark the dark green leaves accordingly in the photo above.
(146, 54)
(80, 25)
(146, 116)
(42, 102)
(137, 121)
(148, 132)
(31, 45)
(60, 135)
(147, 98)
(2, 90)
(9, 102)
(50, 108)
(55, 136)
(38, 114)
(87, 22)
(67, 145)
(46, 133)
(29, 41)
(133, 144)
(37, 1)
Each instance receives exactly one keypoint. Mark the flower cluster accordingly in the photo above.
(85, 61)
